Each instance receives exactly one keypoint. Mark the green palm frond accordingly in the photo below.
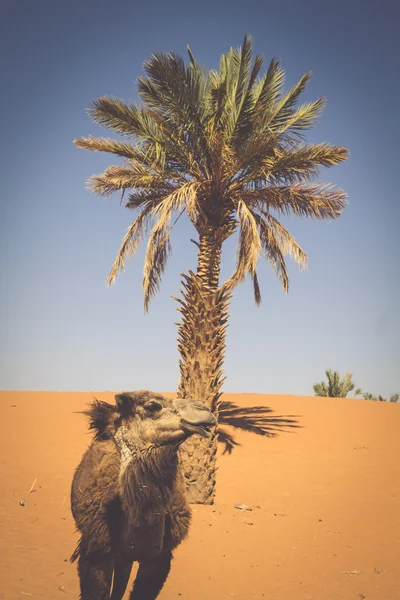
(242, 61)
(165, 88)
(116, 115)
(304, 117)
(321, 389)
(174, 92)
(268, 91)
(247, 77)
(303, 161)
(319, 201)
(284, 107)
(337, 387)
(131, 120)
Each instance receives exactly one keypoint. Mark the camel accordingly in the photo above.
(128, 497)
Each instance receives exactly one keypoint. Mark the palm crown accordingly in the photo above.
(226, 148)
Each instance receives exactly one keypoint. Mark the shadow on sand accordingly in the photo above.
(255, 419)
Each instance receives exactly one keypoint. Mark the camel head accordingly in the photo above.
(143, 419)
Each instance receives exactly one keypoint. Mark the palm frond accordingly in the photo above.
(113, 113)
(258, 63)
(249, 245)
(285, 241)
(304, 117)
(107, 145)
(314, 200)
(273, 251)
(302, 162)
(165, 87)
(175, 92)
(158, 247)
(131, 240)
(268, 90)
(284, 108)
(134, 121)
(191, 57)
(186, 193)
(126, 176)
(157, 253)
(243, 60)
(256, 288)
(139, 197)
(321, 389)
(145, 157)
(245, 121)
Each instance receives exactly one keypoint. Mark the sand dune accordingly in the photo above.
(325, 499)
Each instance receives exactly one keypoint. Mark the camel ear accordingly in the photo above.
(124, 404)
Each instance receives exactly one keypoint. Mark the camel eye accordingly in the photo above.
(153, 406)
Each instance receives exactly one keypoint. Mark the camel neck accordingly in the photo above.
(147, 482)
(156, 462)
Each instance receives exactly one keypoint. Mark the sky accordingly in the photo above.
(61, 328)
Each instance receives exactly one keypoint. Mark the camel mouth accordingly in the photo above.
(203, 430)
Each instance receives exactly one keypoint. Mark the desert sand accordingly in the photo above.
(325, 500)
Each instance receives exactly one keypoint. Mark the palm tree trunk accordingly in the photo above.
(201, 344)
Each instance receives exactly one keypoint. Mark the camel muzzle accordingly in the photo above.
(197, 418)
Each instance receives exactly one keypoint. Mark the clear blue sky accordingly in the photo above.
(62, 329)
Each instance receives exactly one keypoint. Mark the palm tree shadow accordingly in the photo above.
(255, 419)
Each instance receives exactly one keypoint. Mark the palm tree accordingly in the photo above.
(225, 148)
(393, 397)
(369, 396)
(336, 387)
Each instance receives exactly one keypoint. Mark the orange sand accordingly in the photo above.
(325, 523)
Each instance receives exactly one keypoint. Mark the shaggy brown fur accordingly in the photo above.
(127, 493)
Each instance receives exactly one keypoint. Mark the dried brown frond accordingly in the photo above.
(186, 193)
(128, 176)
(108, 145)
(138, 198)
(285, 241)
(273, 252)
(158, 247)
(256, 288)
(131, 240)
(249, 246)
(157, 254)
